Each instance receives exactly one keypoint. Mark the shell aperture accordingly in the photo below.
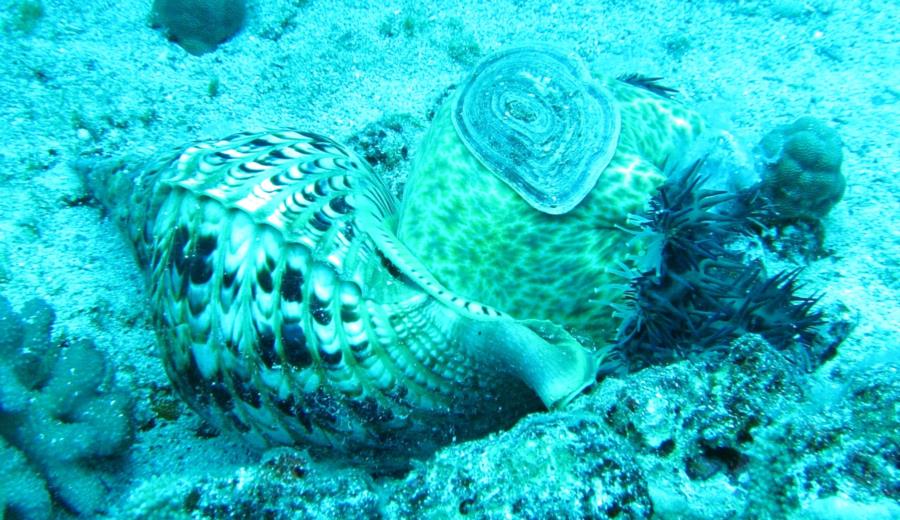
(535, 118)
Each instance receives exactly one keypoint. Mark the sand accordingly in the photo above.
(93, 79)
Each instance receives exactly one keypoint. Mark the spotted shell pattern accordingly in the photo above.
(287, 311)
(295, 303)
(480, 237)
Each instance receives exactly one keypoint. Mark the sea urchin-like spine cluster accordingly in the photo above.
(692, 292)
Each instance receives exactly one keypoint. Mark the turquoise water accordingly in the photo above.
(721, 390)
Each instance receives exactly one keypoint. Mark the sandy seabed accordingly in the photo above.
(94, 79)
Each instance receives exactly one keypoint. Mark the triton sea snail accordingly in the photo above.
(297, 301)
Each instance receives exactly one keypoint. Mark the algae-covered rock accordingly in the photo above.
(386, 143)
(692, 424)
(559, 465)
(549, 466)
(199, 26)
(744, 432)
(802, 169)
(737, 432)
(285, 484)
(841, 446)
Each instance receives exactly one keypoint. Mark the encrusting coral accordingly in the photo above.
(62, 420)
(23, 493)
(801, 175)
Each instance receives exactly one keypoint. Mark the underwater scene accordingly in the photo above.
(492, 260)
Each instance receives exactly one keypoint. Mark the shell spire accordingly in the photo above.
(288, 311)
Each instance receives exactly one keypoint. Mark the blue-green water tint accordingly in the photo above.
(90, 425)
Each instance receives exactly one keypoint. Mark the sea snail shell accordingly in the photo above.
(288, 312)
(294, 303)
(536, 119)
